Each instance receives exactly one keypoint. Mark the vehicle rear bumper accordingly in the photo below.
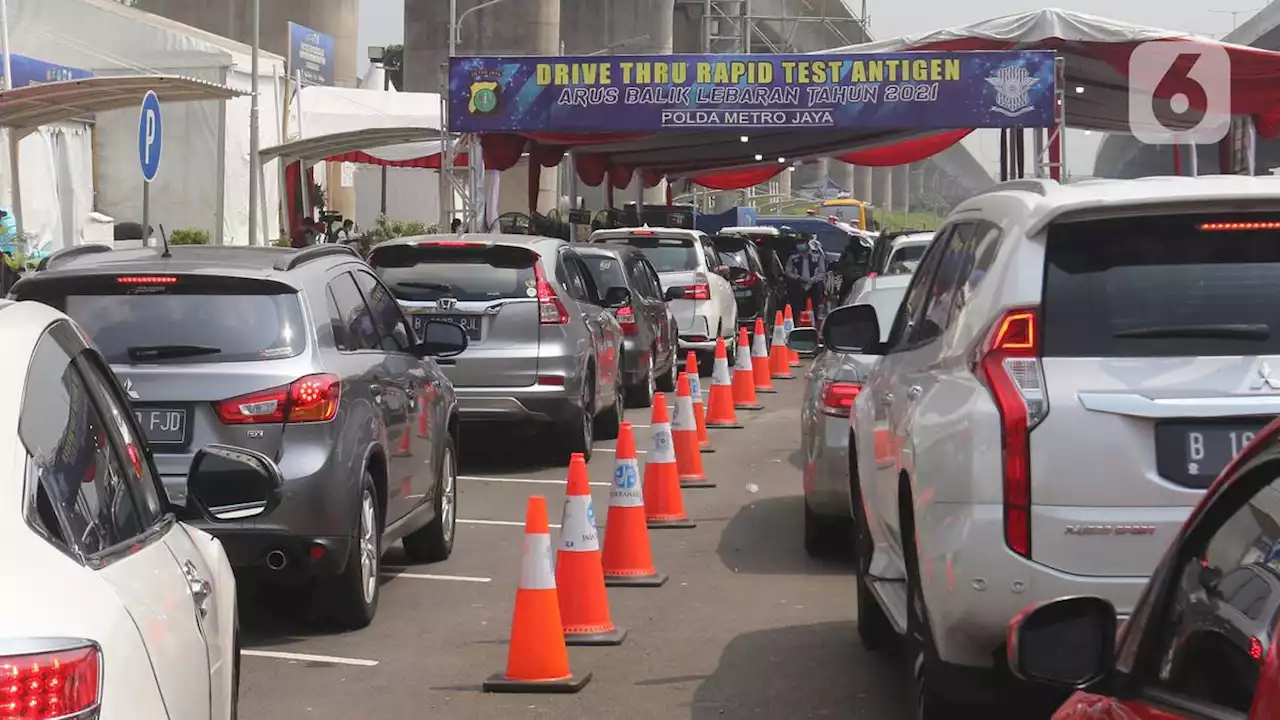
(826, 476)
(305, 556)
(974, 585)
(538, 403)
(697, 345)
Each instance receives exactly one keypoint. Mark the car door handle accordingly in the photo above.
(914, 391)
(200, 588)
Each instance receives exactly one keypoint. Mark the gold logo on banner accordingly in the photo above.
(484, 97)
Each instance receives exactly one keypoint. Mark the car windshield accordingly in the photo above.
(908, 253)
(666, 254)
(733, 253)
(605, 271)
(465, 272)
(1159, 286)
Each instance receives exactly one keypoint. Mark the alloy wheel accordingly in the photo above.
(368, 546)
(448, 495)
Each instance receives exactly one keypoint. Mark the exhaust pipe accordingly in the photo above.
(276, 560)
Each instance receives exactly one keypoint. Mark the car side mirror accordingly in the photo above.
(616, 297)
(673, 293)
(442, 339)
(227, 484)
(804, 341)
(1067, 643)
(852, 329)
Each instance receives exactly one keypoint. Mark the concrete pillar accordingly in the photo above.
(784, 184)
(901, 188)
(546, 31)
(823, 177)
(882, 188)
(862, 182)
(724, 200)
(917, 180)
(844, 175)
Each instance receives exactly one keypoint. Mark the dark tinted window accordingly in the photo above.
(591, 288)
(218, 320)
(141, 476)
(907, 253)
(386, 313)
(360, 332)
(83, 496)
(916, 296)
(1161, 286)
(571, 278)
(605, 271)
(666, 254)
(735, 253)
(475, 273)
(642, 281)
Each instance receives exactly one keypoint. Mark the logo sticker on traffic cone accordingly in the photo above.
(779, 354)
(663, 499)
(789, 324)
(684, 432)
(537, 657)
(699, 410)
(627, 557)
(760, 360)
(720, 413)
(584, 604)
(744, 380)
(806, 315)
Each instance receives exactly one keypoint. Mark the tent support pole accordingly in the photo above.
(15, 138)
(255, 23)
(1193, 163)
(220, 192)
(1037, 146)
(573, 192)
(1060, 90)
(639, 177)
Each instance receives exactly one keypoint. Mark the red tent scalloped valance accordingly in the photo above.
(908, 151)
(739, 178)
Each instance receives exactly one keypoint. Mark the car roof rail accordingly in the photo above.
(68, 253)
(314, 252)
(1034, 186)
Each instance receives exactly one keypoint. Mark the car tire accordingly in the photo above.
(667, 383)
(433, 542)
(930, 704)
(641, 394)
(577, 435)
(354, 594)
(609, 422)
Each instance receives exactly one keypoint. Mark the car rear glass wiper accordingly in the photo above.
(443, 287)
(1224, 331)
(139, 353)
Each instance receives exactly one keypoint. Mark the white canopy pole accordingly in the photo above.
(11, 136)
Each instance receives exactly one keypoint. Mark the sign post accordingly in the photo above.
(150, 134)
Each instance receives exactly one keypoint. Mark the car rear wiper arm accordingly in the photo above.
(139, 353)
(425, 285)
(1207, 332)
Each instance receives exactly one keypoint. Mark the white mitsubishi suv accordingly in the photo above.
(1070, 369)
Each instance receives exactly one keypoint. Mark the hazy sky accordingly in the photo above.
(382, 22)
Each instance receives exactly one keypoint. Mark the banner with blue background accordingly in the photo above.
(311, 53)
(649, 93)
(30, 71)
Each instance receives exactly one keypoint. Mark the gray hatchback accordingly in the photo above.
(545, 350)
(302, 355)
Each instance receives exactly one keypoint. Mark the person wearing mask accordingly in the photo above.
(455, 226)
(806, 274)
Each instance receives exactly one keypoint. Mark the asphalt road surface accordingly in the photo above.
(747, 627)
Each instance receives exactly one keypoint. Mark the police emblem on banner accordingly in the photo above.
(1013, 84)
(483, 97)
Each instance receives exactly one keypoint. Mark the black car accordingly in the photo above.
(756, 275)
(649, 329)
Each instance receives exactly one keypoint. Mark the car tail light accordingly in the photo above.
(1255, 650)
(550, 310)
(1009, 363)
(449, 243)
(838, 397)
(699, 290)
(627, 319)
(871, 276)
(1238, 226)
(43, 686)
(642, 233)
(748, 280)
(146, 280)
(313, 398)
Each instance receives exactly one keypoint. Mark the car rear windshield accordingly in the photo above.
(181, 319)
(474, 273)
(1159, 286)
(605, 271)
(666, 254)
(907, 253)
(733, 253)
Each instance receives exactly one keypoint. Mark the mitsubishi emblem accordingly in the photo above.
(1264, 381)
(128, 388)
(446, 304)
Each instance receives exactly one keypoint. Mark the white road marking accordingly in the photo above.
(527, 481)
(508, 523)
(390, 572)
(303, 657)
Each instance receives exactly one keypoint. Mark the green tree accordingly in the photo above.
(393, 61)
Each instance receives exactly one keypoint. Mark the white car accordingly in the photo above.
(1071, 367)
(694, 279)
(132, 612)
(900, 258)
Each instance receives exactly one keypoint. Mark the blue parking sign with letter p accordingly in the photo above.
(150, 136)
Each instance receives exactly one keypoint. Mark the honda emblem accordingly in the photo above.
(446, 303)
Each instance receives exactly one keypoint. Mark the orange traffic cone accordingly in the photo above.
(663, 499)
(744, 380)
(684, 433)
(806, 315)
(627, 558)
(720, 412)
(789, 324)
(760, 360)
(699, 410)
(537, 658)
(779, 358)
(584, 604)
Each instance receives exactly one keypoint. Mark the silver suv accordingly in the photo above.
(303, 356)
(545, 351)
(1070, 369)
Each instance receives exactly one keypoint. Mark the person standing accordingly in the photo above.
(806, 274)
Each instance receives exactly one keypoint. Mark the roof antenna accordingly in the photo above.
(165, 238)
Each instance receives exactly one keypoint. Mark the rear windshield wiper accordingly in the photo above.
(1207, 332)
(443, 287)
(139, 353)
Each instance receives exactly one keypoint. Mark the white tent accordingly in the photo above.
(204, 173)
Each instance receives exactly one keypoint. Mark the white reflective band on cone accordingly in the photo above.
(695, 388)
(578, 528)
(743, 361)
(626, 490)
(684, 418)
(720, 373)
(758, 348)
(536, 571)
(779, 335)
(664, 449)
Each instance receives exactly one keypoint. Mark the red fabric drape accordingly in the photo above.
(668, 198)
(293, 189)
(426, 162)
(620, 175)
(546, 155)
(738, 179)
(651, 178)
(591, 168)
(502, 151)
(908, 151)
(535, 181)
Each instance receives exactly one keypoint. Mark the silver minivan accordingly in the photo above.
(545, 351)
